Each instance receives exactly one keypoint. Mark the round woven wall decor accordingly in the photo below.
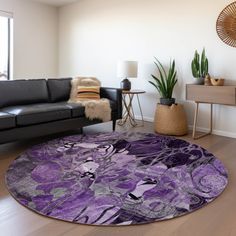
(226, 25)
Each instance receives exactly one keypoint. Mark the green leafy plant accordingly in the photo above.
(200, 67)
(166, 80)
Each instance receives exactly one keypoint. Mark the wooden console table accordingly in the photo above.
(222, 95)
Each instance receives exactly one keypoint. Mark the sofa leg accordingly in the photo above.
(114, 125)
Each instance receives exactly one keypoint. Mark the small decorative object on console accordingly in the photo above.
(217, 82)
(207, 81)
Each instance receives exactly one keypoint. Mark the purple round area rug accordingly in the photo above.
(116, 178)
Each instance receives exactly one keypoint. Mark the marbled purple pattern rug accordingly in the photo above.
(116, 178)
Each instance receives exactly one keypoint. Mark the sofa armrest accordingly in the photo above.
(115, 95)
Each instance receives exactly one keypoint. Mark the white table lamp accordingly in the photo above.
(125, 70)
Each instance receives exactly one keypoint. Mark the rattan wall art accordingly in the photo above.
(226, 25)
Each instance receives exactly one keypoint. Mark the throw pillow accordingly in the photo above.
(81, 81)
(88, 92)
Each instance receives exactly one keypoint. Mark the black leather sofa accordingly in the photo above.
(33, 108)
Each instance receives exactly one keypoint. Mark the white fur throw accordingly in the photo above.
(94, 109)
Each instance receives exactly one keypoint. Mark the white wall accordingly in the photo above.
(95, 34)
(35, 38)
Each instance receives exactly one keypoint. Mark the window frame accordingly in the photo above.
(9, 17)
(9, 50)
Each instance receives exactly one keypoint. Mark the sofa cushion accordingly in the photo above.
(7, 121)
(20, 92)
(77, 110)
(59, 89)
(38, 113)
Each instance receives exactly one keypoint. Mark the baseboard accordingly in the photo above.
(199, 129)
(145, 118)
(215, 131)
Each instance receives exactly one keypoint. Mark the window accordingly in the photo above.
(6, 32)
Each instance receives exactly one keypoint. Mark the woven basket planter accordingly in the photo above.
(170, 120)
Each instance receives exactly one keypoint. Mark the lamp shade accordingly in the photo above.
(127, 69)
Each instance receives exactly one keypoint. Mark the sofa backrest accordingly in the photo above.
(59, 89)
(21, 92)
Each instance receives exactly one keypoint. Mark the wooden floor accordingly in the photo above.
(216, 219)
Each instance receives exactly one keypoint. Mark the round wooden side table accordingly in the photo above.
(128, 112)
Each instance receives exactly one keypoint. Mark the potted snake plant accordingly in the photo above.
(165, 82)
(199, 67)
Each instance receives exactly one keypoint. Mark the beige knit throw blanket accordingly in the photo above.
(94, 109)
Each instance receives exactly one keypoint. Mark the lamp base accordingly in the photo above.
(125, 84)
